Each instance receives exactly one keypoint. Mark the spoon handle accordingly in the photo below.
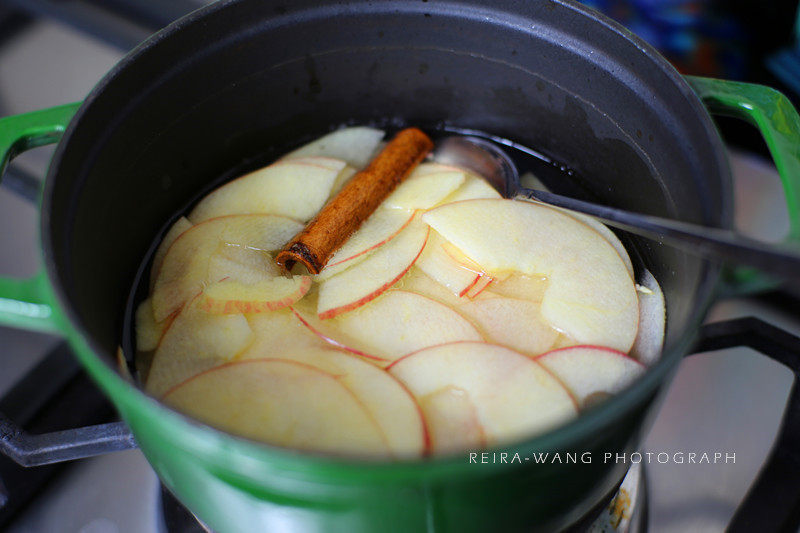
(712, 243)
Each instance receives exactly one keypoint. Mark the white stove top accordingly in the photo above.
(727, 401)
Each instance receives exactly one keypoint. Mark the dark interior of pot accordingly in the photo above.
(244, 82)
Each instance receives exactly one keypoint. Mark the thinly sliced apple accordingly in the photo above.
(521, 286)
(592, 373)
(481, 284)
(607, 234)
(514, 397)
(590, 295)
(453, 421)
(355, 145)
(530, 181)
(419, 282)
(195, 342)
(280, 333)
(401, 322)
(473, 188)
(293, 189)
(328, 331)
(441, 267)
(511, 322)
(394, 410)
(423, 191)
(242, 264)
(381, 227)
(148, 330)
(180, 225)
(370, 278)
(652, 320)
(285, 403)
(230, 297)
(432, 167)
(185, 270)
(341, 180)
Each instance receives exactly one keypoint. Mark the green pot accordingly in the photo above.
(233, 84)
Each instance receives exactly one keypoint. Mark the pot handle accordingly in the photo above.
(777, 120)
(27, 303)
(773, 500)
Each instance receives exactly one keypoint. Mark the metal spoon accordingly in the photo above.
(489, 160)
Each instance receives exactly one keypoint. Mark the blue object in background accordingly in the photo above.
(695, 35)
(785, 63)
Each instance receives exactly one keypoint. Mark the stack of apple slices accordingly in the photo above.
(451, 320)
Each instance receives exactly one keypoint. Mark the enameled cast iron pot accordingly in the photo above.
(243, 79)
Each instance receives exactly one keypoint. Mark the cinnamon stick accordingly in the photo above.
(345, 213)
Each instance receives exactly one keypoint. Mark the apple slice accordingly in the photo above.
(293, 189)
(521, 286)
(481, 284)
(281, 402)
(341, 180)
(185, 270)
(193, 343)
(371, 277)
(242, 264)
(511, 322)
(441, 267)
(530, 181)
(401, 322)
(652, 318)
(453, 421)
(180, 225)
(424, 190)
(607, 234)
(148, 330)
(281, 335)
(381, 227)
(590, 296)
(514, 397)
(432, 167)
(329, 332)
(229, 296)
(419, 282)
(591, 373)
(355, 145)
(473, 188)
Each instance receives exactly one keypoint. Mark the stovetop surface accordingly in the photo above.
(727, 401)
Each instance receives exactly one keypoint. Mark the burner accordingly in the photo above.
(626, 512)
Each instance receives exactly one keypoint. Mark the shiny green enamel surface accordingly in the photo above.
(777, 120)
(26, 303)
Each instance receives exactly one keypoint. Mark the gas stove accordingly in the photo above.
(726, 401)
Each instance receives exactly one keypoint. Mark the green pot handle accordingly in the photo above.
(27, 303)
(777, 120)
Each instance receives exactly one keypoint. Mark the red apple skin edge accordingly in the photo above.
(428, 347)
(583, 346)
(330, 313)
(381, 243)
(589, 347)
(333, 342)
(172, 318)
(310, 367)
(489, 282)
(426, 440)
(483, 436)
(427, 444)
(227, 307)
(569, 393)
(468, 287)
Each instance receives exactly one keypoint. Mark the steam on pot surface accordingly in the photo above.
(452, 319)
